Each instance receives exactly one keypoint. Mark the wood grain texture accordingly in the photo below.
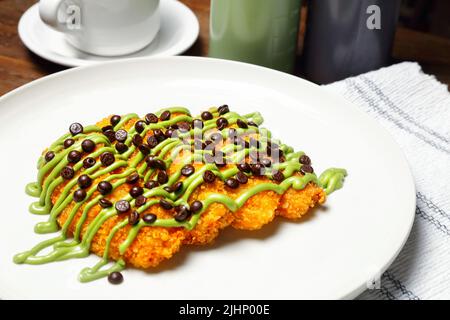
(19, 66)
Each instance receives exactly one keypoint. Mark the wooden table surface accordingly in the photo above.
(19, 66)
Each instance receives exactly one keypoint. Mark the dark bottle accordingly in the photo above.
(348, 37)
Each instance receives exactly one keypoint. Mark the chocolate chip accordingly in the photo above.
(209, 176)
(79, 195)
(304, 159)
(104, 187)
(306, 168)
(88, 145)
(241, 177)
(133, 218)
(197, 123)
(171, 133)
(160, 136)
(184, 126)
(165, 115)
(133, 178)
(136, 191)
(151, 118)
(149, 218)
(152, 141)
(49, 156)
(241, 124)
(278, 176)
(107, 158)
(68, 143)
(144, 149)
(115, 277)
(266, 162)
(140, 201)
(187, 170)
(105, 203)
(75, 128)
(88, 162)
(206, 115)
(115, 119)
(122, 206)
(196, 206)
(165, 204)
(182, 213)
(137, 140)
(244, 167)
(107, 128)
(67, 173)
(139, 126)
(256, 169)
(151, 184)
(111, 135)
(121, 147)
(162, 177)
(232, 183)
(221, 123)
(74, 156)
(173, 126)
(177, 186)
(168, 189)
(121, 135)
(223, 109)
(84, 181)
(253, 124)
(156, 163)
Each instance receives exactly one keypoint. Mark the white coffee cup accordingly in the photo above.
(104, 27)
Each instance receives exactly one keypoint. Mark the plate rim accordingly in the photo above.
(357, 290)
(77, 62)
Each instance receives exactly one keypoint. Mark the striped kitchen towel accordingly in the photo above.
(415, 108)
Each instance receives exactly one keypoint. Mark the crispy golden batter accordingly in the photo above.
(155, 244)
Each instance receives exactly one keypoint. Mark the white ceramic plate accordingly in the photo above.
(331, 254)
(179, 30)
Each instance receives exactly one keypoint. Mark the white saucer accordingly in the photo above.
(179, 30)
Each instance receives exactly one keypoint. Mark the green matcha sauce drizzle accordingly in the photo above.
(49, 179)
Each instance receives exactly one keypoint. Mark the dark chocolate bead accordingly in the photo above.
(105, 203)
(206, 115)
(121, 147)
(152, 141)
(121, 135)
(151, 184)
(122, 206)
(67, 173)
(140, 201)
(115, 119)
(304, 159)
(256, 169)
(278, 176)
(232, 183)
(165, 115)
(107, 128)
(136, 191)
(104, 187)
(139, 126)
(196, 206)
(160, 136)
(221, 123)
(88, 145)
(107, 158)
(111, 135)
(241, 124)
(182, 214)
(241, 177)
(244, 167)
(75, 128)
(209, 176)
(133, 218)
(197, 123)
(144, 149)
(88, 162)
(171, 133)
(187, 170)
(168, 189)
(84, 181)
(49, 156)
(74, 156)
(133, 178)
(162, 177)
(79, 195)
(137, 140)
(184, 126)
(151, 118)
(306, 168)
(149, 218)
(166, 205)
(157, 164)
(177, 186)
(266, 162)
(68, 143)
(115, 277)
(223, 109)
